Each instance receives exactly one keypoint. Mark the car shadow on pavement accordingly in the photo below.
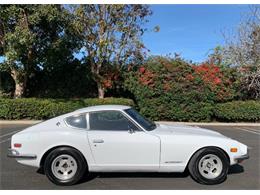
(91, 176)
(235, 169)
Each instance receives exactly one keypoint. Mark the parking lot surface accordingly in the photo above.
(243, 176)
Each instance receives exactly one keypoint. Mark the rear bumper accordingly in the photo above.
(12, 153)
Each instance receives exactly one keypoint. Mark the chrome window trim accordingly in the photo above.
(123, 113)
(140, 126)
(78, 128)
(87, 119)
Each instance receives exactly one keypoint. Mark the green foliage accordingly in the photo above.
(6, 85)
(38, 45)
(64, 80)
(34, 37)
(116, 101)
(215, 79)
(32, 108)
(238, 111)
(160, 109)
(162, 91)
(111, 36)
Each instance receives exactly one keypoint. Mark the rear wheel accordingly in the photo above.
(65, 166)
(209, 166)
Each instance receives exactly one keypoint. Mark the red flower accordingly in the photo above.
(142, 69)
(217, 80)
(190, 77)
(147, 77)
(107, 83)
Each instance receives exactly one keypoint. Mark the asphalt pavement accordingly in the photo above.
(243, 176)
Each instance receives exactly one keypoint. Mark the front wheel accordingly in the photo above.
(209, 166)
(65, 166)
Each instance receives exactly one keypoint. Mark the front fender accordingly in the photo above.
(176, 151)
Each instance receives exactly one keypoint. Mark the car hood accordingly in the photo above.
(165, 129)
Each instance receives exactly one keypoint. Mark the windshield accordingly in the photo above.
(145, 123)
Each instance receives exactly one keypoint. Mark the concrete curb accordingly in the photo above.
(19, 122)
(31, 122)
(210, 124)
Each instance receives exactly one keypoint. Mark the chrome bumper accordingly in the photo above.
(241, 158)
(15, 154)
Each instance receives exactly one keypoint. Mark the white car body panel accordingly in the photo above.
(122, 151)
(168, 148)
(181, 142)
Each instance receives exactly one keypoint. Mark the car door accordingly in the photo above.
(117, 144)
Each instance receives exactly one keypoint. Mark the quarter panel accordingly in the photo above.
(38, 142)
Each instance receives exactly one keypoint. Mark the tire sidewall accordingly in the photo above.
(81, 165)
(194, 168)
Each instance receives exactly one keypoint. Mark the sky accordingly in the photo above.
(191, 30)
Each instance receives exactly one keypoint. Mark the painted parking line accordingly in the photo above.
(11, 133)
(5, 140)
(250, 131)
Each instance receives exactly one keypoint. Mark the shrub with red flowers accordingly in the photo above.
(172, 89)
(108, 79)
(109, 76)
(214, 78)
(146, 77)
(162, 91)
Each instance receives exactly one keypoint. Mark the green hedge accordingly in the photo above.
(32, 108)
(159, 109)
(238, 111)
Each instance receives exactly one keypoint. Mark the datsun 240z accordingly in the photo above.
(115, 138)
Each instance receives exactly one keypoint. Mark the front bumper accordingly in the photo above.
(12, 153)
(241, 158)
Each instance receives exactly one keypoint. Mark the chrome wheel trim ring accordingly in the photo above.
(210, 166)
(64, 167)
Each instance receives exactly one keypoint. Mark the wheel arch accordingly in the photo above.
(219, 148)
(44, 156)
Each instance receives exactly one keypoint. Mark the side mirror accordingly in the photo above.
(130, 129)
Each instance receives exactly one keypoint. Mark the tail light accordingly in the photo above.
(17, 145)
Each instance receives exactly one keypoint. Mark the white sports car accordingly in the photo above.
(115, 138)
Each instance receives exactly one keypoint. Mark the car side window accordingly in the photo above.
(78, 121)
(110, 121)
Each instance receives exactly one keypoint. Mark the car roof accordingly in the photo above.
(103, 107)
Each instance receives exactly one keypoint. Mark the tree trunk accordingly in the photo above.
(19, 90)
(101, 91)
(20, 86)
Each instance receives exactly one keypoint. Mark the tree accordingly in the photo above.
(243, 50)
(111, 38)
(216, 56)
(27, 33)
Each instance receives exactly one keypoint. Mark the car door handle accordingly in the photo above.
(98, 141)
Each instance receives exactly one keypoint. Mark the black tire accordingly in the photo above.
(77, 156)
(193, 166)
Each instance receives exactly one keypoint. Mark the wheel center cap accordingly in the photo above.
(65, 166)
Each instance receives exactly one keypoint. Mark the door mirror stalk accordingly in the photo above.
(131, 131)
